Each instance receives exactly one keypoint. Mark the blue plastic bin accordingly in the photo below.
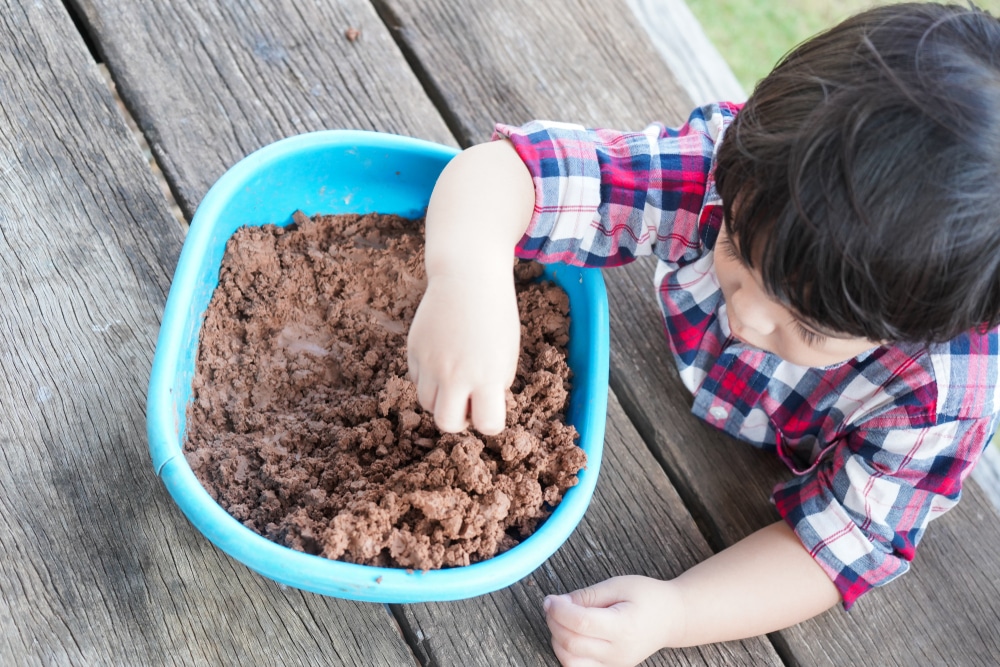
(334, 172)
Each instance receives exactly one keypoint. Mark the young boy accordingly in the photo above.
(829, 276)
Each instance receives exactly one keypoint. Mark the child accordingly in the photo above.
(829, 276)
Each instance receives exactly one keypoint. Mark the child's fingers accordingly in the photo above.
(573, 648)
(603, 594)
(411, 368)
(451, 409)
(597, 622)
(489, 409)
(448, 407)
(568, 659)
(426, 392)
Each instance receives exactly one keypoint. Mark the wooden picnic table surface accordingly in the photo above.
(99, 565)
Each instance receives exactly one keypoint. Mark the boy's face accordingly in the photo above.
(757, 319)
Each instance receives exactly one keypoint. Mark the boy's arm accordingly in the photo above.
(763, 583)
(605, 197)
(464, 342)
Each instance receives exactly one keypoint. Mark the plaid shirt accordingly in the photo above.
(879, 444)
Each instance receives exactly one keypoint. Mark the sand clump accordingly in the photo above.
(304, 427)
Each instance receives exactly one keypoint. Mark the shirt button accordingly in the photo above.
(718, 412)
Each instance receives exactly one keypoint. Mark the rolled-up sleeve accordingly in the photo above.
(604, 197)
(862, 510)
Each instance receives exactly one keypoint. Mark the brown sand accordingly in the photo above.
(304, 426)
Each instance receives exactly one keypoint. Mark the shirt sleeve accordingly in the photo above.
(862, 511)
(604, 197)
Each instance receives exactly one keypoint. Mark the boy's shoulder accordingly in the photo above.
(961, 376)
(711, 120)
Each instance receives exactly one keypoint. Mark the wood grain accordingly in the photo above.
(210, 82)
(99, 567)
(584, 61)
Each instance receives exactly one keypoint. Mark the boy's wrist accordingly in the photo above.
(675, 616)
(479, 267)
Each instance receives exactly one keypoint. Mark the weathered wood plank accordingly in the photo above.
(209, 82)
(636, 524)
(585, 62)
(99, 567)
(515, 60)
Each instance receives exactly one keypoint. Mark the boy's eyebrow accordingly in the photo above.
(821, 331)
(728, 238)
(808, 326)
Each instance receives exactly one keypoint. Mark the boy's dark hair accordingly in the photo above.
(862, 178)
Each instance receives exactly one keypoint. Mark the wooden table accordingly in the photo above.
(100, 567)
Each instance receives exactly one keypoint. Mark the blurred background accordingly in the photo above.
(753, 34)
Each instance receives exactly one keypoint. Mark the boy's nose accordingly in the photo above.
(751, 314)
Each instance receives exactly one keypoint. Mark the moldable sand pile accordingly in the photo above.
(304, 427)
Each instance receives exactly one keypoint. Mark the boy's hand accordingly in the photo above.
(765, 582)
(620, 622)
(462, 350)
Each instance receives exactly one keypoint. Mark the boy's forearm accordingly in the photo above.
(763, 583)
(480, 208)
(464, 341)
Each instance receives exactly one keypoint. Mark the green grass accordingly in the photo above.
(752, 35)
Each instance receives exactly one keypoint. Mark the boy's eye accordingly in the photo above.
(810, 338)
(730, 249)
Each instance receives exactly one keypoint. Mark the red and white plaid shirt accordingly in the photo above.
(879, 444)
